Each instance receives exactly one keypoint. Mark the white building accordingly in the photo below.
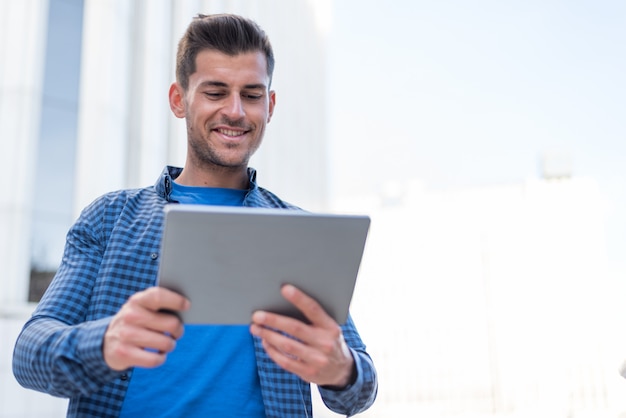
(492, 301)
(84, 110)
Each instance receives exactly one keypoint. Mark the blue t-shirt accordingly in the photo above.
(212, 371)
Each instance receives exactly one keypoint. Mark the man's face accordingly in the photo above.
(226, 106)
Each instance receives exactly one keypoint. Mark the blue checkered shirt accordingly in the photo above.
(112, 252)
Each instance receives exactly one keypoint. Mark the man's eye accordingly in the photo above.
(253, 96)
(213, 95)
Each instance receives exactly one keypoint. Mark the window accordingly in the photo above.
(54, 178)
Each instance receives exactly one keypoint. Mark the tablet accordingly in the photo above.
(232, 261)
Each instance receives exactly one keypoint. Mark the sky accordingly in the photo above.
(469, 94)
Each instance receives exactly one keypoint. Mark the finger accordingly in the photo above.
(125, 346)
(135, 315)
(168, 323)
(146, 339)
(290, 362)
(324, 360)
(159, 298)
(285, 344)
(139, 357)
(312, 310)
(268, 321)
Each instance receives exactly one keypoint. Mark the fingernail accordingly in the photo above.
(258, 316)
(289, 289)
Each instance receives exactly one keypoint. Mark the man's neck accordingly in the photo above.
(223, 177)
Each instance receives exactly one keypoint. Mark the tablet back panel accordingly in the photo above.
(232, 261)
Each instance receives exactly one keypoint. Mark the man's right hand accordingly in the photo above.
(140, 334)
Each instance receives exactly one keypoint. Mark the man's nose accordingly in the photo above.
(233, 107)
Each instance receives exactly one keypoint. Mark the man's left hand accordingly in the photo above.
(318, 354)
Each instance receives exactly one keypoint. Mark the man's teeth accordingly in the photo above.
(229, 132)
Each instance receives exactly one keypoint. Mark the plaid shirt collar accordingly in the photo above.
(163, 185)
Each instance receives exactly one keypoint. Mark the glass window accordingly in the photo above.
(54, 179)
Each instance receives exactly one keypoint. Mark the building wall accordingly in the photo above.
(22, 34)
(492, 301)
(125, 132)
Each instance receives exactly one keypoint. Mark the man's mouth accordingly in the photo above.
(231, 132)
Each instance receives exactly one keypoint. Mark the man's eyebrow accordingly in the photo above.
(256, 86)
(210, 83)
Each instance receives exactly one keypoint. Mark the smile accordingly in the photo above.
(230, 132)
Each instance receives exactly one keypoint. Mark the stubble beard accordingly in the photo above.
(207, 157)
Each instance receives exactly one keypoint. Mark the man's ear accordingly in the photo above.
(177, 100)
(272, 103)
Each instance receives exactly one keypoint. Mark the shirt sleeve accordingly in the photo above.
(58, 351)
(60, 359)
(360, 395)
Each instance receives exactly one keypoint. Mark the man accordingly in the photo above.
(101, 334)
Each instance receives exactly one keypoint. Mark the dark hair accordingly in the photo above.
(226, 33)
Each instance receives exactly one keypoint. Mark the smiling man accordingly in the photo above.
(101, 335)
(226, 103)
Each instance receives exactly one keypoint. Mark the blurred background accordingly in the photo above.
(486, 139)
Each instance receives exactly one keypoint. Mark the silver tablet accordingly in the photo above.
(232, 261)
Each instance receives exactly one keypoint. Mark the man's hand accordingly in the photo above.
(140, 335)
(318, 354)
